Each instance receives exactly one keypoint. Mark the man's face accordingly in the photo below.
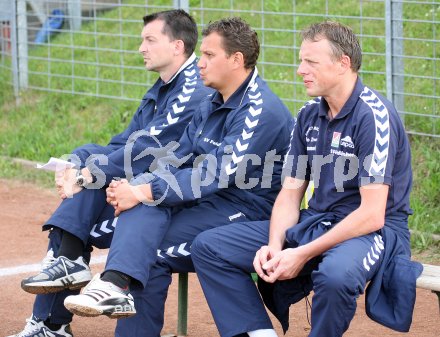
(214, 63)
(318, 70)
(156, 48)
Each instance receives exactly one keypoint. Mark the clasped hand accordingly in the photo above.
(65, 182)
(122, 196)
(272, 264)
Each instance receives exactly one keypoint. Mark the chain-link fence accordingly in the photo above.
(89, 47)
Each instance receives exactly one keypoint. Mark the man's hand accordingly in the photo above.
(264, 254)
(285, 265)
(65, 182)
(122, 196)
(110, 191)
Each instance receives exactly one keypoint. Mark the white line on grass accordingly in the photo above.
(27, 268)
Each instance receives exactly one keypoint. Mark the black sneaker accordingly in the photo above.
(101, 298)
(58, 274)
(37, 328)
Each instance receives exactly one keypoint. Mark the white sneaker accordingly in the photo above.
(57, 274)
(101, 298)
(37, 328)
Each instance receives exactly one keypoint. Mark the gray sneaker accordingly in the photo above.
(37, 328)
(57, 274)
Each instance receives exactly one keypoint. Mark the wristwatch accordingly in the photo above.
(80, 179)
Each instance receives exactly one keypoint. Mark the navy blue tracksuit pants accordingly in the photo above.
(88, 216)
(162, 237)
(223, 259)
(150, 243)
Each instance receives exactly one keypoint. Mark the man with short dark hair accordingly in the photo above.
(84, 218)
(226, 169)
(350, 142)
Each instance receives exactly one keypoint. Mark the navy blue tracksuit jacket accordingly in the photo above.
(162, 116)
(233, 149)
(164, 112)
(225, 168)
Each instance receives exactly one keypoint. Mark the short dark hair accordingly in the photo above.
(342, 40)
(237, 36)
(179, 25)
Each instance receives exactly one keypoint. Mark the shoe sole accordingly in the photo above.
(48, 289)
(73, 282)
(87, 311)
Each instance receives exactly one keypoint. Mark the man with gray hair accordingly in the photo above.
(351, 143)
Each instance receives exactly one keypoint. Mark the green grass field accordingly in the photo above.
(89, 62)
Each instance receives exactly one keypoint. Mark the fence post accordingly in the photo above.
(22, 44)
(394, 52)
(74, 13)
(182, 4)
(14, 53)
(182, 302)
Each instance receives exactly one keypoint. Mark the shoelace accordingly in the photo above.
(48, 260)
(97, 284)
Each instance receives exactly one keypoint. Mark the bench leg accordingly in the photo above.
(182, 305)
(438, 294)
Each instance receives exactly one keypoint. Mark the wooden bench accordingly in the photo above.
(429, 279)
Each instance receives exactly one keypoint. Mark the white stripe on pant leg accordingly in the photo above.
(377, 249)
(374, 254)
(366, 266)
(379, 241)
(170, 252)
(181, 251)
(370, 260)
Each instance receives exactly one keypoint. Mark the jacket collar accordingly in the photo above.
(237, 97)
(190, 60)
(348, 106)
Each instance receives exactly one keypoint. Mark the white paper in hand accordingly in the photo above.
(56, 164)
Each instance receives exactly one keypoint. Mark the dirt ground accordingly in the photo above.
(25, 207)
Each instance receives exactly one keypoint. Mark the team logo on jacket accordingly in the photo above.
(336, 139)
(312, 134)
(342, 146)
(347, 142)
